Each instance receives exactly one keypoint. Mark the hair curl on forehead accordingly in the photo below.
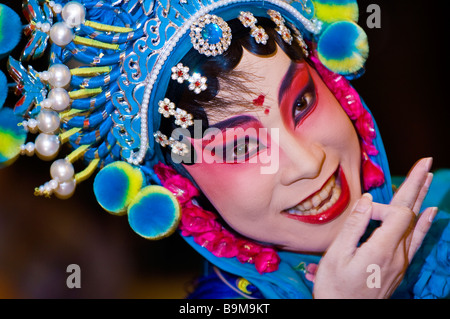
(222, 76)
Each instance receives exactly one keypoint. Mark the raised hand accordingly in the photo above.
(343, 271)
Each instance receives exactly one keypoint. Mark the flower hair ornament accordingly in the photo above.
(103, 96)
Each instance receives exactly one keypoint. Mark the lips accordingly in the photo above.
(324, 205)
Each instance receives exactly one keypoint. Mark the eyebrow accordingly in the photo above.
(234, 122)
(230, 123)
(287, 80)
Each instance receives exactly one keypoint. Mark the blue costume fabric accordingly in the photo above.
(428, 276)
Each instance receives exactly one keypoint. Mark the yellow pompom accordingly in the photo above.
(338, 10)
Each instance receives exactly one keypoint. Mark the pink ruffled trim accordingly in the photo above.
(351, 103)
(207, 231)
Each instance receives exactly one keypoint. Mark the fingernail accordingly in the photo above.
(433, 214)
(364, 203)
(429, 163)
(429, 179)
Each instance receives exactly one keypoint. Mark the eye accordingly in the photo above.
(242, 149)
(303, 104)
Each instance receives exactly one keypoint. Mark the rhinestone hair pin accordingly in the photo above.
(197, 82)
(249, 21)
(177, 147)
(167, 109)
(281, 27)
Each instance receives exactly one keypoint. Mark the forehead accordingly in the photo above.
(266, 71)
(264, 75)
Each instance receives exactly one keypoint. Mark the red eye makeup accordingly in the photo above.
(297, 94)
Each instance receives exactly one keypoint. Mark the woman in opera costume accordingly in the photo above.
(234, 124)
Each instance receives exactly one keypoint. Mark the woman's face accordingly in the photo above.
(298, 127)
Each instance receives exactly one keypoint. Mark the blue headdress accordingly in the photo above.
(104, 95)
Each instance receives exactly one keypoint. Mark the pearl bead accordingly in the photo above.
(45, 27)
(46, 146)
(32, 125)
(53, 184)
(48, 121)
(29, 149)
(61, 34)
(25, 125)
(47, 189)
(59, 98)
(66, 189)
(59, 75)
(44, 75)
(73, 14)
(62, 170)
(57, 8)
(46, 104)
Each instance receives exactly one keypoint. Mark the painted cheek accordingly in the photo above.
(230, 188)
(328, 110)
(221, 181)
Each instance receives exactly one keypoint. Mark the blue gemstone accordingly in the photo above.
(212, 33)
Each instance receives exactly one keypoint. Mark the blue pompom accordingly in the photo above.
(10, 30)
(155, 213)
(116, 185)
(343, 48)
(3, 88)
(12, 136)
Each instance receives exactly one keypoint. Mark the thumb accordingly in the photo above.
(354, 226)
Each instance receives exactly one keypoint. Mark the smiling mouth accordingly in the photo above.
(324, 205)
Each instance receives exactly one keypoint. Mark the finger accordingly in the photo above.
(380, 211)
(409, 190)
(423, 193)
(397, 224)
(421, 229)
(354, 227)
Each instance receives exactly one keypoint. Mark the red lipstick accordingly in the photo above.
(332, 212)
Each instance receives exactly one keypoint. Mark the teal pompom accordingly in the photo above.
(3, 88)
(154, 213)
(116, 185)
(12, 136)
(343, 48)
(10, 30)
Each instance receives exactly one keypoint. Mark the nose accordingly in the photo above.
(299, 159)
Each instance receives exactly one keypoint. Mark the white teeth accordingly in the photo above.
(307, 205)
(316, 200)
(324, 194)
(330, 193)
